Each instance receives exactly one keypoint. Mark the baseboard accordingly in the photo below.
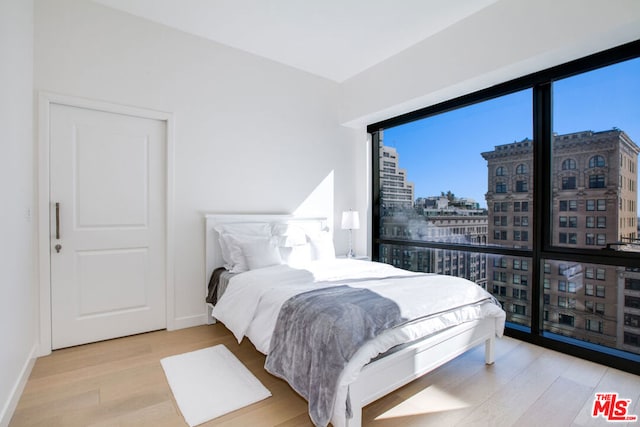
(188, 321)
(14, 397)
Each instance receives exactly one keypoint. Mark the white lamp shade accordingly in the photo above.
(350, 220)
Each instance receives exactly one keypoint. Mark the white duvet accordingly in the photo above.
(251, 303)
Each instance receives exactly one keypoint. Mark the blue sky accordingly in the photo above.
(442, 153)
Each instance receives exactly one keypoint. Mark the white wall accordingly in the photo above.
(508, 39)
(251, 135)
(18, 316)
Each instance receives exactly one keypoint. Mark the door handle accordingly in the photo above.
(57, 221)
(58, 246)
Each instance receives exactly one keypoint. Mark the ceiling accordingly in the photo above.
(335, 39)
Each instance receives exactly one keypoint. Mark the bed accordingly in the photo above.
(277, 267)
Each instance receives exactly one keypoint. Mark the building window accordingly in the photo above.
(500, 234)
(594, 325)
(568, 221)
(596, 181)
(568, 238)
(600, 291)
(568, 182)
(562, 221)
(501, 206)
(521, 206)
(520, 236)
(565, 319)
(501, 187)
(522, 265)
(568, 164)
(519, 309)
(590, 222)
(500, 171)
(631, 301)
(568, 205)
(632, 284)
(588, 306)
(632, 339)
(588, 272)
(602, 222)
(521, 187)
(596, 162)
(500, 262)
(632, 320)
(600, 204)
(521, 169)
(588, 289)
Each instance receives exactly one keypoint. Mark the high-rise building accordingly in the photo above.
(594, 205)
(395, 190)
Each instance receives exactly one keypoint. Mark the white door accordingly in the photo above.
(107, 191)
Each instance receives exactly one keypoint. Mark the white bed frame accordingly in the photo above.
(391, 372)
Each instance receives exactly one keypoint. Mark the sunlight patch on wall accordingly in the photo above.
(427, 401)
(320, 201)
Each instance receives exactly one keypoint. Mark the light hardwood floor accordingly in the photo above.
(121, 382)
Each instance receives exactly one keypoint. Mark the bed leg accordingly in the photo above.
(489, 351)
(210, 319)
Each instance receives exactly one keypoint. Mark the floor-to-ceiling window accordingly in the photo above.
(529, 189)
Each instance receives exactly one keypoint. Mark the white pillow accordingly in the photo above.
(260, 252)
(322, 245)
(232, 252)
(231, 255)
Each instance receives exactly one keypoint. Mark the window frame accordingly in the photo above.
(541, 245)
(568, 164)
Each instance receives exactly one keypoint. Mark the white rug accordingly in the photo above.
(211, 382)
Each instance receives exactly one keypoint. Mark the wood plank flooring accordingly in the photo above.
(121, 383)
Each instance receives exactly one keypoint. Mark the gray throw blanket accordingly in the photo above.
(214, 282)
(331, 324)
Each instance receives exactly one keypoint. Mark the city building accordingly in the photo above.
(594, 205)
(444, 219)
(443, 227)
(396, 191)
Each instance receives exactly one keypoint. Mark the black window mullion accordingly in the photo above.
(375, 195)
(541, 197)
